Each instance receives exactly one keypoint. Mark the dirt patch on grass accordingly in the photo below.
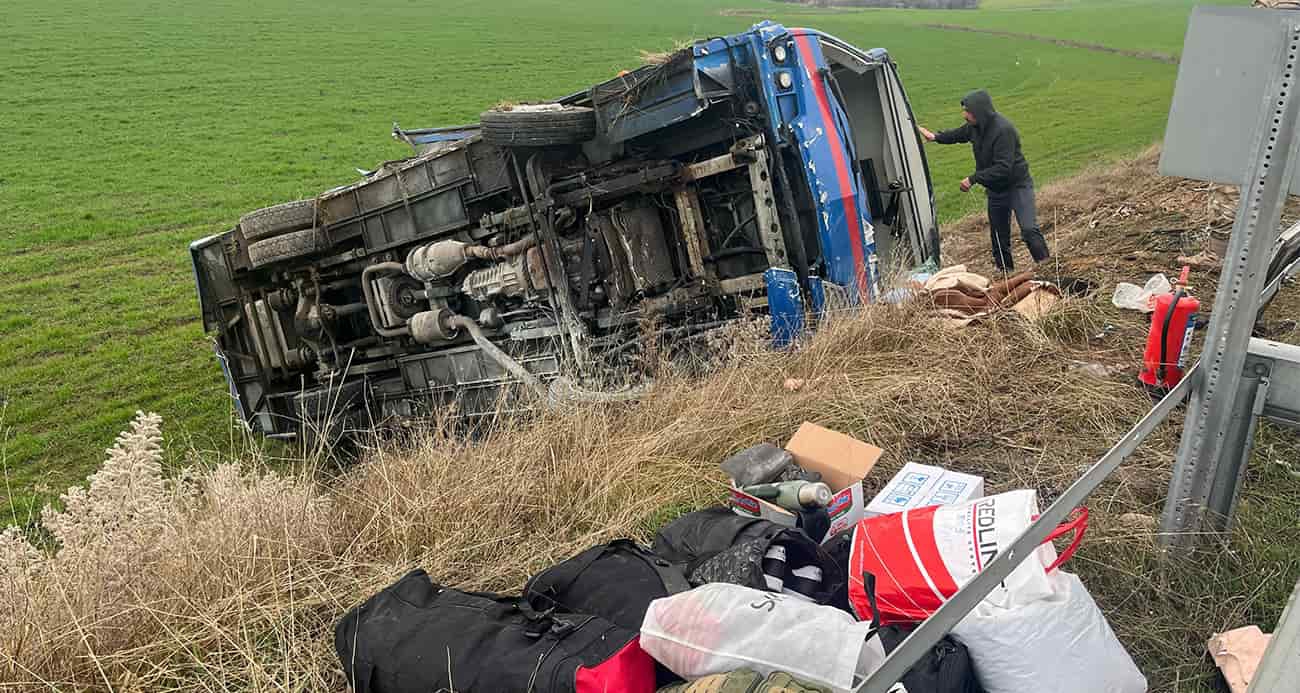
(1145, 55)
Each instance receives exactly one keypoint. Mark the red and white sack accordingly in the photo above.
(1061, 643)
(920, 558)
(720, 627)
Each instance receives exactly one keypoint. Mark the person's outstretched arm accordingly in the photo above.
(954, 136)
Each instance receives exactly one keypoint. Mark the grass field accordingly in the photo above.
(134, 127)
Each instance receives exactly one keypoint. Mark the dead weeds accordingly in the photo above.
(238, 589)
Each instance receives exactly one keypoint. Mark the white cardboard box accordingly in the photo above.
(921, 485)
(843, 462)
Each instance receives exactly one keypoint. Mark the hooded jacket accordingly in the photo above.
(999, 165)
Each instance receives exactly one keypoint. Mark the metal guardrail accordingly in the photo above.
(1239, 378)
(939, 624)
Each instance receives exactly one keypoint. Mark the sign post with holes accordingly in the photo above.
(1233, 121)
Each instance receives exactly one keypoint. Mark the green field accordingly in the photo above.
(134, 127)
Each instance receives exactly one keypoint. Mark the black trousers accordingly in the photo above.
(1001, 205)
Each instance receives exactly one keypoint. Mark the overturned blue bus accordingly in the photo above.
(774, 172)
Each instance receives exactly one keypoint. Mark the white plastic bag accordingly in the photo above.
(1134, 297)
(1060, 644)
(720, 627)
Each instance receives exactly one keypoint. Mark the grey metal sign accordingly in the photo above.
(1227, 81)
(1237, 84)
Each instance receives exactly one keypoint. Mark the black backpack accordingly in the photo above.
(717, 545)
(946, 668)
(616, 581)
(417, 637)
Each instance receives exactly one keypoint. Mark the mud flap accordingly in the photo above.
(785, 304)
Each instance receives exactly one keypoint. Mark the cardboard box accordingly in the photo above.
(843, 462)
(921, 485)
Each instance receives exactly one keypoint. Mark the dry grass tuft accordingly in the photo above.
(236, 576)
(679, 50)
(1101, 221)
(232, 577)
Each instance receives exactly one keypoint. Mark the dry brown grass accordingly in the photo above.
(230, 577)
(680, 49)
(1100, 220)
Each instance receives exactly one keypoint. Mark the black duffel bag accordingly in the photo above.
(717, 545)
(416, 637)
(616, 581)
(945, 668)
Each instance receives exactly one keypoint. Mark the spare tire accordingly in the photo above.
(538, 125)
(285, 247)
(281, 218)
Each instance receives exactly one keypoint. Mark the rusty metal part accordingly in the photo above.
(740, 155)
(436, 260)
(372, 301)
(693, 236)
(571, 325)
(330, 313)
(495, 353)
(650, 176)
(769, 224)
(501, 252)
(638, 250)
(536, 265)
(509, 279)
(401, 298)
(283, 299)
(442, 259)
(432, 326)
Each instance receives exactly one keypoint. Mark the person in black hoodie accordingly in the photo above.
(1001, 168)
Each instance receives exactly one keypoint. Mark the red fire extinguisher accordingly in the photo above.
(1172, 323)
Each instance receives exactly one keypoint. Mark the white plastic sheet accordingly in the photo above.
(720, 627)
(1134, 297)
(1060, 644)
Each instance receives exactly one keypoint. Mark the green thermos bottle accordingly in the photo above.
(793, 495)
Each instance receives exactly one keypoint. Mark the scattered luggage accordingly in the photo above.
(1058, 643)
(717, 628)
(920, 558)
(416, 636)
(736, 603)
(946, 668)
(746, 681)
(917, 486)
(717, 545)
(840, 461)
(616, 581)
(764, 463)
